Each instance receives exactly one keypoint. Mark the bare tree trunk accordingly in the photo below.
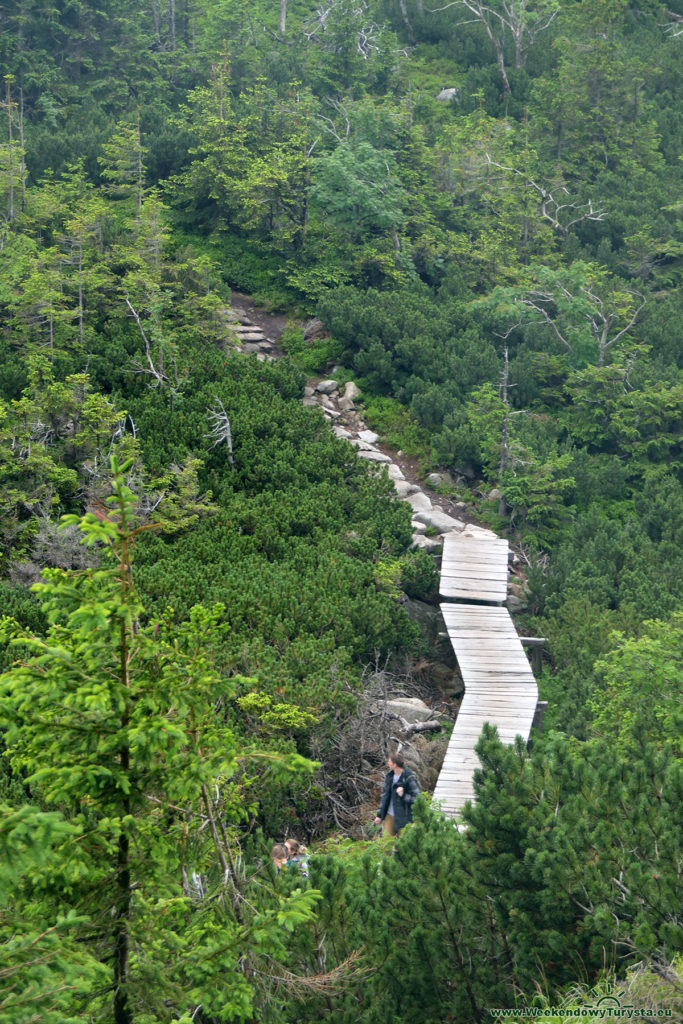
(505, 440)
(156, 22)
(140, 168)
(10, 156)
(22, 161)
(171, 13)
(406, 20)
(283, 17)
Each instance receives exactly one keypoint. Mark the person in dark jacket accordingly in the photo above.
(398, 796)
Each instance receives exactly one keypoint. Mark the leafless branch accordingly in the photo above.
(156, 373)
(220, 429)
(550, 207)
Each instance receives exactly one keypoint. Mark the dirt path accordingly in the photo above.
(272, 324)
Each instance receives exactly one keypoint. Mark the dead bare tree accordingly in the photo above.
(523, 21)
(155, 361)
(356, 13)
(221, 431)
(555, 210)
(675, 26)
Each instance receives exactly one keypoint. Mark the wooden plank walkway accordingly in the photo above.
(499, 684)
(474, 568)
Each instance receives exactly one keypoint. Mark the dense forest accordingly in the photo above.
(203, 586)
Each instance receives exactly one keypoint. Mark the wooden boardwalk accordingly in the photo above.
(474, 569)
(499, 685)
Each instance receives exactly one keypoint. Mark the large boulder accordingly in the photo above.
(429, 544)
(420, 503)
(413, 710)
(327, 387)
(374, 456)
(351, 391)
(403, 488)
(439, 480)
(439, 520)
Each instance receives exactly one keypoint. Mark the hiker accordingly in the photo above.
(297, 856)
(398, 796)
(279, 855)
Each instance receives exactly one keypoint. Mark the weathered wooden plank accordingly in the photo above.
(499, 667)
(449, 582)
(482, 689)
(479, 615)
(457, 542)
(480, 621)
(475, 572)
(492, 593)
(492, 714)
(520, 706)
(479, 655)
(468, 585)
(467, 613)
(495, 674)
(452, 568)
(484, 627)
(492, 675)
(454, 541)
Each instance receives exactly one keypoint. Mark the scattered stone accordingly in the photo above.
(331, 414)
(460, 505)
(436, 480)
(402, 488)
(413, 710)
(446, 95)
(373, 456)
(395, 472)
(420, 503)
(351, 391)
(514, 604)
(368, 435)
(429, 544)
(309, 401)
(439, 520)
(517, 590)
(309, 392)
(250, 347)
(345, 404)
(495, 495)
(479, 531)
(418, 527)
(326, 387)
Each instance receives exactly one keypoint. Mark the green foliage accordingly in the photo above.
(639, 687)
(120, 725)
